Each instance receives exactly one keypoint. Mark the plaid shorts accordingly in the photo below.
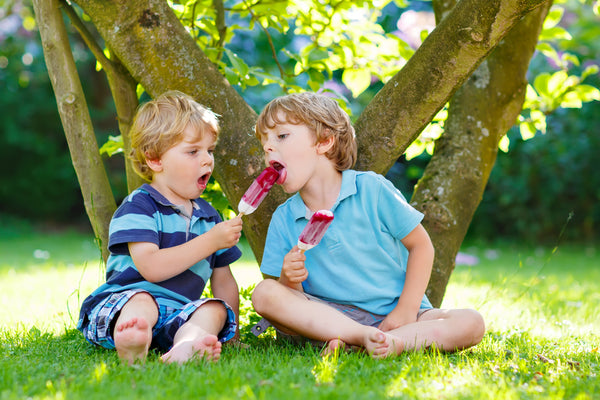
(99, 330)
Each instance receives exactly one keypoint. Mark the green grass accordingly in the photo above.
(541, 309)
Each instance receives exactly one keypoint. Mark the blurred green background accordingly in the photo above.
(543, 189)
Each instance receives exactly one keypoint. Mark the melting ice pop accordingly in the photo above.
(258, 191)
(315, 229)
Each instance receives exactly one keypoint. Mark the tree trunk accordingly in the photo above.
(123, 89)
(97, 194)
(480, 113)
(410, 100)
(160, 54)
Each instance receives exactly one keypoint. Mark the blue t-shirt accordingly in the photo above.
(361, 260)
(147, 216)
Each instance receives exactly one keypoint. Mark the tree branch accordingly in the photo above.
(97, 194)
(123, 89)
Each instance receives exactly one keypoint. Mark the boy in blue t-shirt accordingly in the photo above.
(364, 283)
(166, 243)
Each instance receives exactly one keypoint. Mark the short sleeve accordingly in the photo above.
(133, 222)
(397, 216)
(277, 245)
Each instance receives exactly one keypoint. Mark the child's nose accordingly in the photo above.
(267, 146)
(208, 158)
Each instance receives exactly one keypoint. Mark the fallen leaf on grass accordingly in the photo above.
(545, 359)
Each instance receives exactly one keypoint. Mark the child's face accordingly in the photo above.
(182, 172)
(293, 147)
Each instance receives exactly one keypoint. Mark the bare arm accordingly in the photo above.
(157, 265)
(418, 270)
(225, 287)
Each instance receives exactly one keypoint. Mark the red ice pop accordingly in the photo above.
(258, 191)
(315, 229)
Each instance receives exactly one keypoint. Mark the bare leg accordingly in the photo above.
(450, 330)
(198, 336)
(133, 328)
(290, 310)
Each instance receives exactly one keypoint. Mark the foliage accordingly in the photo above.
(35, 146)
(37, 167)
(546, 184)
(321, 38)
(36, 163)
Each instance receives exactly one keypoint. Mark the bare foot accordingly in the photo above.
(207, 347)
(333, 346)
(380, 345)
(132, 340)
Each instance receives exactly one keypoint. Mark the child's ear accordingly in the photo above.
(325, 145)
(154, 164)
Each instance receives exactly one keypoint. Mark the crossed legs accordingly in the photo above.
(291, 311)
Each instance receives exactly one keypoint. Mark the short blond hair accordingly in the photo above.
(159, 125)
(322, 115)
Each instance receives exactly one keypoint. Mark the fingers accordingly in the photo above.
(293, 266)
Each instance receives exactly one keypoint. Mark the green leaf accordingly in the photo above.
(504, 144)
(237, 63)
(590, 70)
(540, 84)
(527, 130)
(587, 93)
(557, 82)
(571, 100)
(415, 149)
(553, 17)
(114, 145)
(556, 33)
(548, 51)
(357, 80)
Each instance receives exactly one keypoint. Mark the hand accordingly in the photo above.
(293, 269)
(227, 233)
(396, 319)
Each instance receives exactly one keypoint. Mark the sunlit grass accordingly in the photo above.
(540, 309)
(544, 291)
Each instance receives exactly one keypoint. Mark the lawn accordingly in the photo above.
(540, 306)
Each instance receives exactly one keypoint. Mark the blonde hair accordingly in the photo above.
(159, 125)
(319, 113)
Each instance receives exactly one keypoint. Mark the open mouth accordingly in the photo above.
(282, 171)
(203, 180)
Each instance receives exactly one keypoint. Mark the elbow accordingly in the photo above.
(151, 277)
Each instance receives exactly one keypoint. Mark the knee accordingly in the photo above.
(265, 294)
(143, 298)
(474, 323)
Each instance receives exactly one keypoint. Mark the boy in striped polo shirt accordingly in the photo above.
(166, 243)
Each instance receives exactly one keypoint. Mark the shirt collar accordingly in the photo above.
(162, 200)
(348, 189)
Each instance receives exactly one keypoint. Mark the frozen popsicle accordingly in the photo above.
(258, 191)
(315, 229)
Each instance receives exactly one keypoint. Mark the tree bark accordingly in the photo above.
(160, 54)
(480, 113)
(152, 44)
(449, 55)
(123, 89)
(97, 194)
